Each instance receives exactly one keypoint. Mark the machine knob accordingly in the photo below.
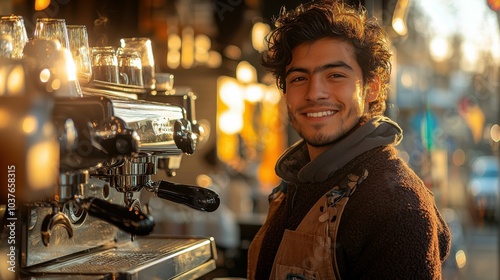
(116, 138)
(184, 137)
(195, 197)
(130, 220)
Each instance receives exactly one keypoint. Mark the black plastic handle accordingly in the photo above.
(130, 220)
(195, 197)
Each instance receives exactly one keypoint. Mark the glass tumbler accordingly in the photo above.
(145, 49)
(80, 51)
(52, 29)
(130, 66)
(13, 30)
(105, 64)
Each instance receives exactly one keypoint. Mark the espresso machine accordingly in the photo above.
(73, 168)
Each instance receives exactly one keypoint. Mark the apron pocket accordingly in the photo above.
(303, 256)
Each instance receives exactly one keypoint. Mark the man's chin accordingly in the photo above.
(319, 143)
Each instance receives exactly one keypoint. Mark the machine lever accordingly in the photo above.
(130, 220)
(195, 197)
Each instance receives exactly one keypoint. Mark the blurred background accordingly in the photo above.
(445, 96)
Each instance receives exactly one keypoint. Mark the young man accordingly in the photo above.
(348, 207)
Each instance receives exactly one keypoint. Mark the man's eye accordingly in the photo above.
(297, 79)
(337, 75)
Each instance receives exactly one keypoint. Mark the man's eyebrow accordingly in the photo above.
(337, 64)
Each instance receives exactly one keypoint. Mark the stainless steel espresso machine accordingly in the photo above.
(72, 172)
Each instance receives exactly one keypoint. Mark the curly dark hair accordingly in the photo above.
(335, 19)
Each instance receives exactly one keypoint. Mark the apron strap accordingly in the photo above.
(337, 199)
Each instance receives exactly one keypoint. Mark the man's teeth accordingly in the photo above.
(320, 114)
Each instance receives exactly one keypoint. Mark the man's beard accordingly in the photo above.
(321, 139)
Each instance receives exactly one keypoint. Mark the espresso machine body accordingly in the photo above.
(74, 169)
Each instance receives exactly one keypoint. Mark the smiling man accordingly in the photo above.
(347, 207)
(325, 92)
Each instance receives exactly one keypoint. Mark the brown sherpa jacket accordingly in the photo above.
(390, 227)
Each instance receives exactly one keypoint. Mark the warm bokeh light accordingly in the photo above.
(41, 4)
(15, 81)
(255, 92)
(407, 80)
(201, 57)
(30, 124)
(187, 51)
(42, 164)
(461, 259)
(399, 25)
(214, 59)
(12, 80)
(202, 42)
(55, 85)
(204, 180)
(440, 49)
(232, 52)
(399, 17)
(474, 117)
(246, 73)
(173, 59)
(259, 33)
(45, 75)
(230, 92)
(494, 4)
(174, 42)
(230, 122)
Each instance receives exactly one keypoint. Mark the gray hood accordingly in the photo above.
(295, 166)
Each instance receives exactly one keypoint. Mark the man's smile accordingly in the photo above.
(320, 114)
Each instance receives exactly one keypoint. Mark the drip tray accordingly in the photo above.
(144, 258)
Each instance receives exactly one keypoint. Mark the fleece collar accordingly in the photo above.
(294, 164)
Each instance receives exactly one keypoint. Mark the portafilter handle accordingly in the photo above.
(195, 197)
(130, 220)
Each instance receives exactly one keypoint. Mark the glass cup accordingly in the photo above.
(145, 49)
(52, 29)
(13, 30)
(105, 64)
(79, 47)
(130, 66)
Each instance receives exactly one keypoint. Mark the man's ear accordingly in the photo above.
(373, 89)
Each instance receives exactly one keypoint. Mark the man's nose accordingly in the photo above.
(317, 89)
